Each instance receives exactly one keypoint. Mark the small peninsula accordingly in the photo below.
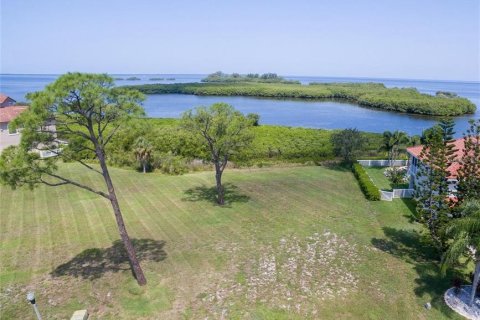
(371, 95)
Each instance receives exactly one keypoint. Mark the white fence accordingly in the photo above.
(386, 195)
(403, 193)
(396, 193)
(49, 153)
(382, 163)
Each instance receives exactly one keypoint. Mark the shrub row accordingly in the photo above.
(174, 148)
(366, 184)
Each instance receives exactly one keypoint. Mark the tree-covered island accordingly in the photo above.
(371, 95)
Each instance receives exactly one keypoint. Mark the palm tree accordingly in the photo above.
(143, 152)
(465, 232)
(415, 140)
(391, 143)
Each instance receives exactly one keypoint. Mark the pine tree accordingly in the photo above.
(431, 190)
(469, 172)
(465, 234)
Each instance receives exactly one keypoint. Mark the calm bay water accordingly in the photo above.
(312, 114)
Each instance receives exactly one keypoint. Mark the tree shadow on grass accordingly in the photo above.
(337, 166)
(409, 245)
(416, 249)
(95, 262)
(412, 207)
(204, 193)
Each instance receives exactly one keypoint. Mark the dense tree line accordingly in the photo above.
(251, 77)
(373, 95)
(174, 148)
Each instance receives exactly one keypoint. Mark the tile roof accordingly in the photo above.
(3, 98)
(459, 145)
(7, 114)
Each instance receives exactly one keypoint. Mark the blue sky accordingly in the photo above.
(422, 39)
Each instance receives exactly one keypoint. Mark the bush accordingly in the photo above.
(396, 175)
(366, 184)
(172, 164)
(271, 144)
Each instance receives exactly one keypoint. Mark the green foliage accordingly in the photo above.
(171, 164)
(465, 235)
(143, 150)
(222, 131)
(347, 143)
(396, 175)
(431, 189)
(254, 118)
(392, 141)
(446, 94)
(19, 168)
(84, 110)
(372, 95)
(369, 189)
(276, 143)
(133, 78)
(235, 77)
(271, 144)
(469, 173)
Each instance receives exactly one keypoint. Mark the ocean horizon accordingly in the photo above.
(285, 112)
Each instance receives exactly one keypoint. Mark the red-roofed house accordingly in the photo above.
(6, 101)
(414, 161)
(7, 114)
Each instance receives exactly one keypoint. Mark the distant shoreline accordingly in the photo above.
(371, 95)
(342, 78)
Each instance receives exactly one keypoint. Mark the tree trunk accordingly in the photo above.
(132, 256)
(220, 191)
(476, 277)
(144, 167)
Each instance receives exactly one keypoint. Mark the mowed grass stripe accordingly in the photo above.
(137, 197)
(70, 231)
(51, 209)
(149, 218)
(188, 211)
(207, 244)
(11, 239)
(175, 233)
(99, 206)
(86, 237)
(137, 217)
(224, 215)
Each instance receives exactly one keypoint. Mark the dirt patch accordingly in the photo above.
(293, 274)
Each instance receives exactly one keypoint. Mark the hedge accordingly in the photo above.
(366, 184)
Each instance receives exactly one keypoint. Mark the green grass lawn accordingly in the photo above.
(382, 182)
(292, 243)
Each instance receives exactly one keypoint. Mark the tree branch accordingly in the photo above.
(53, 184)
(110, 135)
(68, 181)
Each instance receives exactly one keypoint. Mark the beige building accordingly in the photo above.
(7, 136)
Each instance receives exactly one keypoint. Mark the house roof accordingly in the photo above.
(459, 146)
(3, 98)
(7, 114)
